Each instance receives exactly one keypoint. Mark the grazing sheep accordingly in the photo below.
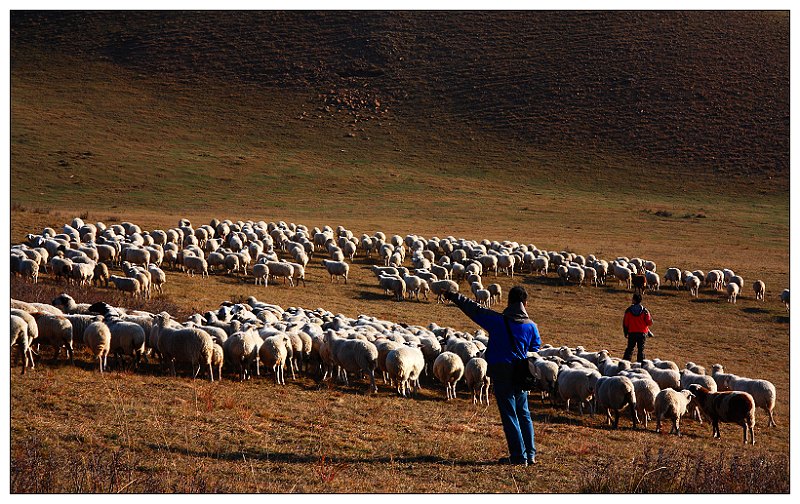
(19, 336)
(127, 339)
(54, 331)
(157, 277)
(29, 269)
(540, 265)
(126, 284)
(689, 377)
(759, 289)
(477, 379)
(615, 393)
(694, 368)
(639, 283)
(273, 353)
(785, 298)
(281, 270)
(578, 385)
(731, 407)
(336, 269)
(353, 356)
(397, 286)
(67, 304)
(384, 347)
(242, 348)
(404, 366)
(261, 273)
(672, 405)
(496, 293)
(194, 264)
(762, 391)
(217, 360)
(692, 283)
(97, 338)
(82, 273)
(673, 276)
(646, 391)
(546, 373)
(448, 368)
(100, 274)
(441, 286)
(190, 345)
(733, 291)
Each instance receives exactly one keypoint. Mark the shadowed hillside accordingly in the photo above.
(705, 91)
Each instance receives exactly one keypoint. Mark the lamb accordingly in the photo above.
(336, 269)
(19, 336)
(733, 291)
(441, 286)
(273, 353)
(190, 345)
(577, 384)
(413, 285)
(762, 391)
(97, 337)
(759, 288)
(732, 407)
(639, 283)
(672, 405)
(482, 297)
(281, 269)
(785, 298)
(477, 379)
(404, 365)
(126, 284)
(55, 331)
(615, 393)
(448, 368)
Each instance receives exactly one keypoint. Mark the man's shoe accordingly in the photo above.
(510, 461)
(532, 461)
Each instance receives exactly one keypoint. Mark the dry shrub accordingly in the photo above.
(673, 472)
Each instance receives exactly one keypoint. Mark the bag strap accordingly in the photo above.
(511, 339)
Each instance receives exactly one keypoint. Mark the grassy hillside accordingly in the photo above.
(659, 135)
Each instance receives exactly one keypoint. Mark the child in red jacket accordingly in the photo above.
(636, 325)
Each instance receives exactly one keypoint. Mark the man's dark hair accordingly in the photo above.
(517, 294)
(637, 298)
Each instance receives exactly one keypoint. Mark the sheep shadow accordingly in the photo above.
(373, 296)
(755, 310)
(704, 300)
(781, 319)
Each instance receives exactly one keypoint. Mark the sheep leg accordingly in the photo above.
(771, 422)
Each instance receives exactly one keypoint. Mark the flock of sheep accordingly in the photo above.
(83, 252)
(246, 338)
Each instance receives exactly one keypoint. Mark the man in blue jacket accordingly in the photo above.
(512, 335)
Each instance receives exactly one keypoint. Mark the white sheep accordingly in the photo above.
(261, 273)
(448, 368)
(646, 391)
(97, 337)
(54, 331)
(673, 276)
(336, 269)
(242, 349)
(759, 289)
(733, 291)
(666, 378)
(672, 405)
(19, 336)
(615, 393)
(353, 356)
(441, 286)
(125, 284)
(763, 391)
(475, 375)
(283, 270)
(496, 293)
(692, 283)
(273, 354)
(404, 366)
(578, 385)
(195, 264)
(29, 269)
